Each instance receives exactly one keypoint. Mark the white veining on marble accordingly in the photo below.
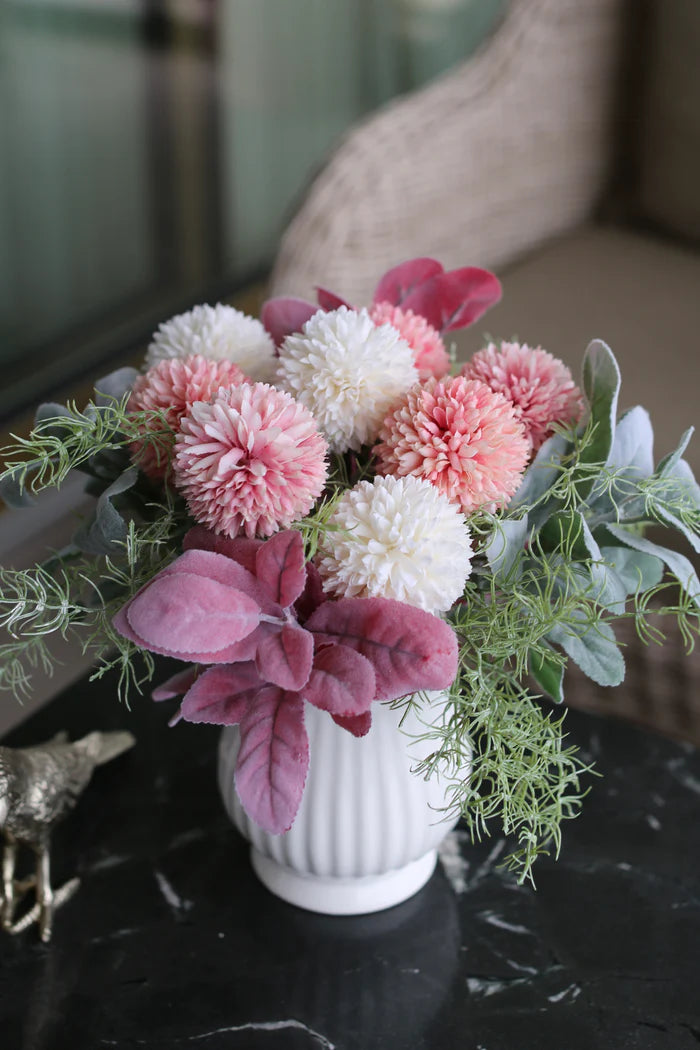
(176, 902)
(485, 987)
(267, 1026)
(573, 991)
(111, 861)
(185, 837)
(532, 970)
(455, 866)
(486, 868)
(676, 767)
(495, 920)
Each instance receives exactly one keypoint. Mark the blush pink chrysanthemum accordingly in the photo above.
(459, 435)
(430, 355)
(540, 386)
(251, 461)
(169, 388)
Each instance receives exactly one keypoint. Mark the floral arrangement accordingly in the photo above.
(321, 508)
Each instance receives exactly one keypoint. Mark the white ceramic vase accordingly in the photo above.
(366, 835)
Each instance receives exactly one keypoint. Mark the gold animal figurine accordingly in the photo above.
(38, 787)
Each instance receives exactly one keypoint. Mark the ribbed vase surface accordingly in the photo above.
(367, 832)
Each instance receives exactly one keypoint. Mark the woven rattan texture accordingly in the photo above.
(507, 150)
(661, 689)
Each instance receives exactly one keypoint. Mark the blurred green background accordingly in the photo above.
(151, 153)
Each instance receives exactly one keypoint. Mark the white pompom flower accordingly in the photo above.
(348, 372)
(397, 538)
(220, 333)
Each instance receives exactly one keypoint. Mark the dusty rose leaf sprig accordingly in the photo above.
(251, 616)
(448, 300)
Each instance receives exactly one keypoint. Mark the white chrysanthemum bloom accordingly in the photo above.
(220, 333)
(348, 372)
(397, 538)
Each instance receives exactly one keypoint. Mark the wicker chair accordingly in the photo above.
(504, 162)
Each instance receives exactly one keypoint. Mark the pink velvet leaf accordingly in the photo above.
(342, 681)
(284, 657)
(191, 615)
(176, 685)
(280, 568)
(222, 695)
(241, 549)
(329, 300)
(401, 280)
(456, 299)
(408, 648)
(273, 760)
(285, 315)
(358, 725)
(313, 594)
(221, 568)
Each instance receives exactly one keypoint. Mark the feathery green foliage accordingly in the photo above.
(551, 575)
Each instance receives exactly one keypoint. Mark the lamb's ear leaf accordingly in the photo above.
(601, 383)
(505, 544)
(12, 492)
(358, 725)
(632, 572)
(114, 386)
(177, 685)
(400, 281)
(285, 315)
(342, 682)
(220, 696)
(677, 564)
(668, 463)
(548, 672)
(409, 649)
(539, 478)
(593, 648)
(107, 529)
(280, 568)
(273, 760)
(190, 616)
(329, 300)
(284, 657)
(453, 300)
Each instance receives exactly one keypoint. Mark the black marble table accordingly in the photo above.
(171, 942)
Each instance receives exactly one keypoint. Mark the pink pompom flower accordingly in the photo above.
(250, 461)
(169, 388)
(459, 435)
(540, 386)
(430, 355)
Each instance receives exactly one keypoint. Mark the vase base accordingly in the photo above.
(343, 896)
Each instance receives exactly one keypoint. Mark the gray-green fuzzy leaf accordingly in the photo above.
(107, 529)
(593, 648)
(677, 564)
(601, 383)
(505, 545)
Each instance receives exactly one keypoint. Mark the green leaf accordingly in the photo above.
(12, 490)
(677, 564)
(505, 544)
(668, 463)
(566, 532)
(114, 386)
(548, 672)
(601, 382)
(636, 573)
(593, 648)
(542, 472)
(107, 529)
